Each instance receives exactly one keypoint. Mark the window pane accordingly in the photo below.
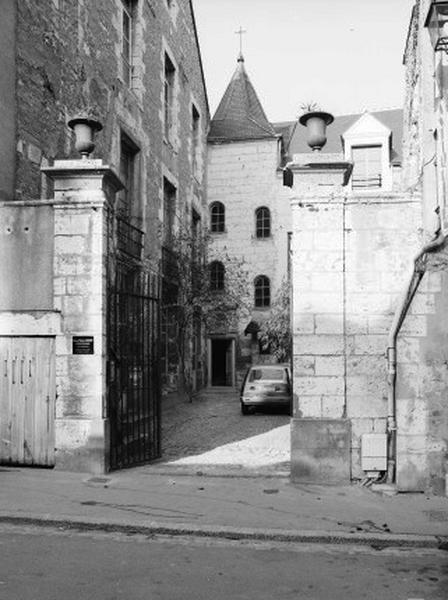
(217, 273)
(267, 374)
(262, 292)
(127, 41)
(195, 136)
(128, 197)
(367, 169)
(168, 95)
(169, 209)
(262, 222)
(217, 217)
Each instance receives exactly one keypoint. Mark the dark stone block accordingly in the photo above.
(320, 450)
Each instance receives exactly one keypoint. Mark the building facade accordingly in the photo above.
(84, 238)
(366, 356)
(249, 221)
(422, 379)
(250, 212)
(369, 343)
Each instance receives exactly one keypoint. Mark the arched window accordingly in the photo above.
(217, 217)
(262, 287)
(217, 274)
(262, 222)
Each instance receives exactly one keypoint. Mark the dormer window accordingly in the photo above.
(367, 143)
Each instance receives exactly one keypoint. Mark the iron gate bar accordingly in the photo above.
(133, 402)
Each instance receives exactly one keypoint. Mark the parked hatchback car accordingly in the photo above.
(266, 386)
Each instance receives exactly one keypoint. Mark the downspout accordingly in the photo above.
(418, 271)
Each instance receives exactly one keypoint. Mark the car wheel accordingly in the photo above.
(244, 409)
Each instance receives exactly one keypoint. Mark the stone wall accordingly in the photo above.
(26, 248)
(80, 247)
(422, 377)
(69, 55)
(351, 256)
(8, 98)
(243, 176)
(422, 380)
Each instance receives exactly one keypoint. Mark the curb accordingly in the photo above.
(377, 541)
(217, 472)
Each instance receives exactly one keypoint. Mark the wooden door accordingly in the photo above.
(27, 400)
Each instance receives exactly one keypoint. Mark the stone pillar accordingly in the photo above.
(320, 432)
(83, 192)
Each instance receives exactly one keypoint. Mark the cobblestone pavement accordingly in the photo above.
(211, 432)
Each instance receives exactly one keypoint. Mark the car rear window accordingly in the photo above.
(270, 374)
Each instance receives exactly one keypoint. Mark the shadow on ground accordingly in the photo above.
(212, 431)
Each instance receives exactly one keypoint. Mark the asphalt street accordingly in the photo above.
(55, 564)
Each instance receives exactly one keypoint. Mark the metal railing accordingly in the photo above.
(130, 239)
(366, 182)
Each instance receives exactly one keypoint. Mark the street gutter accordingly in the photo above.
(377, 540)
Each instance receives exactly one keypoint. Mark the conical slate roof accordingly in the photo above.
(240, 115)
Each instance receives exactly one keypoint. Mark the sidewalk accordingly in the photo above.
(147, 501)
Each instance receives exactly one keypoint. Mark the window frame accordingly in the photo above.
(168, 96)
(263, 223)
(128, 205)
(128, 41)
(262, 292)
(217, 276)
(217, 222)
(195, 136)
(365, 160)
(169, 212)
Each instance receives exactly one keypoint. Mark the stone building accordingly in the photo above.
(422, 377)
(82, 240)
(369, 273)
(251, 218)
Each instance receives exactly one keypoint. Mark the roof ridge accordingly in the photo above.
(270, 130)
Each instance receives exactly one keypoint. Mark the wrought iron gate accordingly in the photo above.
(133, 403)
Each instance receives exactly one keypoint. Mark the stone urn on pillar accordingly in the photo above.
(316, 122)
(84, 126)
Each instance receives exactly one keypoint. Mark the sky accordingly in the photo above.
(346, 55)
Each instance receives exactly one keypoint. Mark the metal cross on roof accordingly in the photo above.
(241, 32)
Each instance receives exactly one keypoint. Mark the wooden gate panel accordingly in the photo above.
(27, 400)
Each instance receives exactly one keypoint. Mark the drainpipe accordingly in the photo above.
(418, 271)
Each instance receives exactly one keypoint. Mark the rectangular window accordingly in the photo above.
(127, 40)
(367, 167)
(195, 131)
(127, 205)
(170, 73)
(169, 211)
